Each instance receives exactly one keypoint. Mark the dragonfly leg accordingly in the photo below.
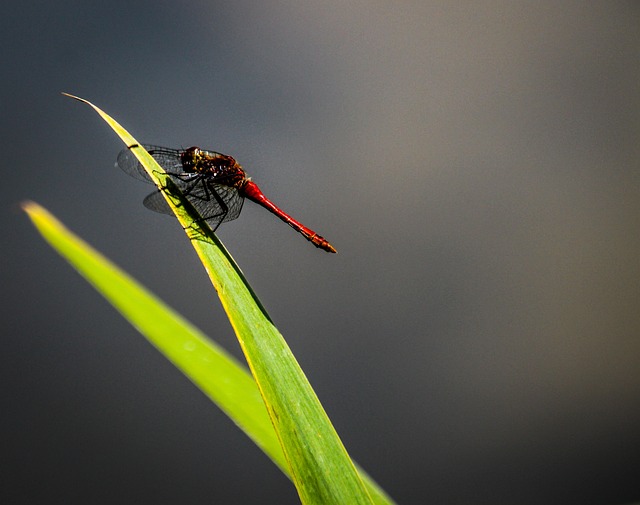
(208, 192)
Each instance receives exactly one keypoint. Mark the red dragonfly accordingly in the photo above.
(214, 183)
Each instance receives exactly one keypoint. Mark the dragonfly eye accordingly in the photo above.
(190, 159)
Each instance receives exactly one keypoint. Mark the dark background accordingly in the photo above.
(476, 164)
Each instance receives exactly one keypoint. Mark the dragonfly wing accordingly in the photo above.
(233, 200)
(168, 159)
(157, 203)
(216, 203)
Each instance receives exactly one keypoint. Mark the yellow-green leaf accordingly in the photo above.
(220, 376)
(310, 451)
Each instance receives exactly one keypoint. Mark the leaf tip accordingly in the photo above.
(30, 207)
(37, 213)
(73, 96)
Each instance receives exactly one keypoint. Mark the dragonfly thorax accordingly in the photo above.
(220, 167)
(196, 160)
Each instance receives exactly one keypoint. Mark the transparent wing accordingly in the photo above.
(214, 202)
(169, 159)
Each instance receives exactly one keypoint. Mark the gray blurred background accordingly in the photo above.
(476, 164)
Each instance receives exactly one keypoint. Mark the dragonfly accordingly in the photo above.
(214, 183)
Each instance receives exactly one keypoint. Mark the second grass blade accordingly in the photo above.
(209, 367)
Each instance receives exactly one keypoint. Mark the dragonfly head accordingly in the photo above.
(190, 158)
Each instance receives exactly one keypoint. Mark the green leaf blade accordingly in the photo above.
(316, 458)
(211, 368)
(220, 376)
